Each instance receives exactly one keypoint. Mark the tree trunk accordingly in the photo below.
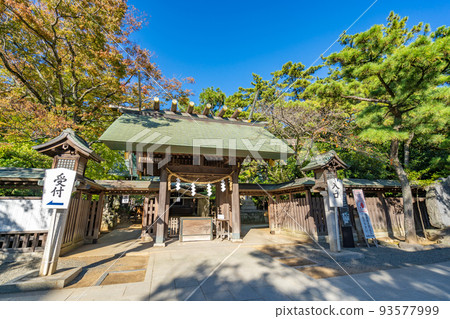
(407, 149)
(408, 210)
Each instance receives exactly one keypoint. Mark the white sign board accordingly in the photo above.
(335, 192)
(363, 213)
(125, 199)
(58, 185)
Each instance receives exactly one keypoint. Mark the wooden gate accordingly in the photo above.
(83, 221)
(149, 216)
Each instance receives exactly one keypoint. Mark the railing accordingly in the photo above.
(26, 241)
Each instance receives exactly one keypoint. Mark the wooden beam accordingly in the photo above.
(196, 169)
(270, 211)
(145, 219)
(207, 109)
(173, 108)
(222, 111)
(166, 215)
(190, 108)
(156, 103)
(236, 113)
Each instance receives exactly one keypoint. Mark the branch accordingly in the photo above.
(20, 77)
(365, 99)
(391, 93)
(90, 90)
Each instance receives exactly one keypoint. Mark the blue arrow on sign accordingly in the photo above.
(56, 204)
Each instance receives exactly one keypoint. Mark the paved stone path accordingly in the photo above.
(228, 271)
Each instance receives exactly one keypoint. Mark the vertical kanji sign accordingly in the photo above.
(58, 188)
(335, 192)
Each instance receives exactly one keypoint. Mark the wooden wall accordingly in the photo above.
(306, 215)
(83, 221)
(301, 215)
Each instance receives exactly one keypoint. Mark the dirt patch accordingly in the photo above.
(95, 267)
(123, 277)
(277, 250)
(319, 272)
(296, 261)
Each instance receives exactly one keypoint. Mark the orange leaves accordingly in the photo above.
(23, 120)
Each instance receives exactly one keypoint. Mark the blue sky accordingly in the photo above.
(221, 43)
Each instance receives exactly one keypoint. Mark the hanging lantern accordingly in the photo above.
(223, 187)
(193, 189)
(177, 185)
(209, 190)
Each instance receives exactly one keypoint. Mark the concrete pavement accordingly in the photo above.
(216, 271)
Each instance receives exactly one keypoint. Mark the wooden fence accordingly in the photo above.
(83, 221)
(301, 215)
(23, 241)
(149, 216)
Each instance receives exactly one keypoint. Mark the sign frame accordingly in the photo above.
(58, 187)
(363, 212)
(335, 192)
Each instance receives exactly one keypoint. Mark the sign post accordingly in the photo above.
(58, 186)
(335, 196)
(364, 217)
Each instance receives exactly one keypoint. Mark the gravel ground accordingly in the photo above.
(10, 270)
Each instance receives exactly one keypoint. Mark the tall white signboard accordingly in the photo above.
(335, 192)
(58, 187)
(336, 199)
(363, 213)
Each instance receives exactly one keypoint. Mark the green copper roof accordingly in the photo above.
(154, 131)
(322, 160)
(70, 135)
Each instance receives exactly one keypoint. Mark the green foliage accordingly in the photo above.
(112, 166)
(274, 173)
(22, 155)
(215, 97)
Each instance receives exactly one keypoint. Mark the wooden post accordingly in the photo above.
(159, 242)
(146, 220)
(222, 111)
(173, 108)
(207, 109)
(190, 108)
(236, 113)
(277, 210)
(235, 210)
(271, 213)
(166, 215)
(98, 218)
(331, 223)
(218, 199)
(386, 214)
(156, 103)
(54, 240)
